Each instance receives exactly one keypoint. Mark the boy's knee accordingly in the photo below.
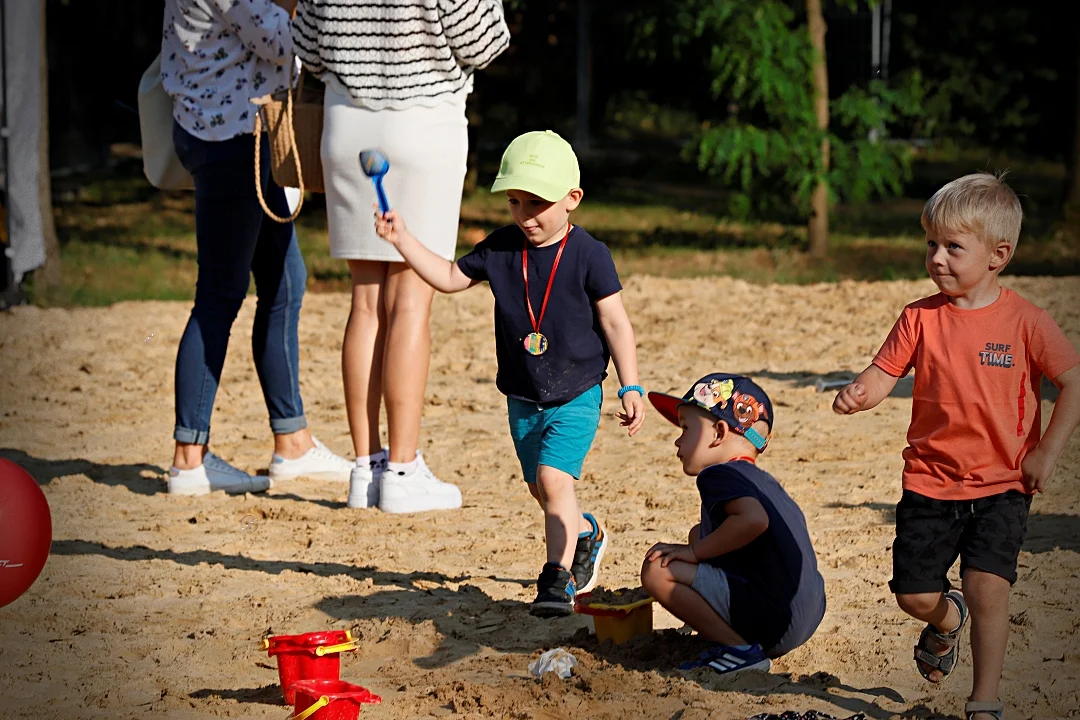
(653, 575)
(918, 604)
(552, 482)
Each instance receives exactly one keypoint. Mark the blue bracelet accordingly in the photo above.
(627, 388)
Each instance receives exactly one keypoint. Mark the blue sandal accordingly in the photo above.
(925, 660)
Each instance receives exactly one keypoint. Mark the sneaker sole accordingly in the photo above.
(551, 609)
(190, 490)
(410, 505)
(332, 475)
(763, 666)
(206, 490)
(596, 565)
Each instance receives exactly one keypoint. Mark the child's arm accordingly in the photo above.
(620, 339)
(746, 520)
(443, 275)
(1039, 463)
(871, 387)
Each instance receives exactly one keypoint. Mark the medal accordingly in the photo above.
(535, 343)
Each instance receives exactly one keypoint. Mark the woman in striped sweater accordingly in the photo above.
(397, 73)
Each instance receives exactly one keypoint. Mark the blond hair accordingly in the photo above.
(980, 204)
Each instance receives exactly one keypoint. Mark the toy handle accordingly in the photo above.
(384, 205)
(343, 647)
(315, 707)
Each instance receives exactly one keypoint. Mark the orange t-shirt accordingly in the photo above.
(975, 410)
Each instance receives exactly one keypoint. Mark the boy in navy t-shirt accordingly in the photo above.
(747, 579)
(558, 318)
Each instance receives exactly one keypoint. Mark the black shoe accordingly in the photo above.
(587, 557)
(555, 592)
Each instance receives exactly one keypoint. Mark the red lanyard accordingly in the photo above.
(551, 279)
(747, 458)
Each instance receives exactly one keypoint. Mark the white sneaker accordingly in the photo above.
(215, 474)
(364, 483)
(418, 491)
(318, 463)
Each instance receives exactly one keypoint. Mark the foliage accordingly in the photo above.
(765, 141)
(990, 77)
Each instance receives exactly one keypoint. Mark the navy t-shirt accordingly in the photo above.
(776, 589)
(577, 354)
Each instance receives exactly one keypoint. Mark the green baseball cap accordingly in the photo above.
(539, 162)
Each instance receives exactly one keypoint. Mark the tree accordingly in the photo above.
(780, 138)
(50, 275)
(817, 228)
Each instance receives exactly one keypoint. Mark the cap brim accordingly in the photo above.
(547, 191)
(667, 405)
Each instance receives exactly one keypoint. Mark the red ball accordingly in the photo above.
(25, 531)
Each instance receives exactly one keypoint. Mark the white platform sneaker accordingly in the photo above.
(418, 491)
(318, 463)
(215, 474)
(364, 482)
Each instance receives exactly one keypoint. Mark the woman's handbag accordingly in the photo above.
(294, 124)
(160, 164)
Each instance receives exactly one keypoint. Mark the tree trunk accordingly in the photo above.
(50, 275)
(817, 228)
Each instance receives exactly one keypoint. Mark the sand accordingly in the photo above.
(153, 606)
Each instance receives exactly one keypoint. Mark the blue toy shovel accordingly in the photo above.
(375, 166)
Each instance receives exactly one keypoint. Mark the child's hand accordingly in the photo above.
(667, 552)
(389, 226)
(633, 414)
(1036, 468)
(850, 399)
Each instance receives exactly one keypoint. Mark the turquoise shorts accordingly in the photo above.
(558, 436)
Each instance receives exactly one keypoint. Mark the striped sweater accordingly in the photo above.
(394, 54)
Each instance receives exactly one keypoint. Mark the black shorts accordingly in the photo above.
(986, 534)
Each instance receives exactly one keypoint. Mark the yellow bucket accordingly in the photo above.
(618, 623)
(622, 628)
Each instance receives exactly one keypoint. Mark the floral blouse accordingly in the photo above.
(216, 55)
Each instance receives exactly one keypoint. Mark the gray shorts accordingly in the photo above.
(711, 583)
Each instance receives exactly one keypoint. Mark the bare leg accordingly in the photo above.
(362, 354)
(563, 520)
(187, 456)
(932, 608)
(987, 596)
(292, 445)
(535, 492)
(670, 586)
(407, 357)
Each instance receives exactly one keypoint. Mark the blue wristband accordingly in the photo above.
(627, 388)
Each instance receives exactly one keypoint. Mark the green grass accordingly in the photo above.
(123, 240)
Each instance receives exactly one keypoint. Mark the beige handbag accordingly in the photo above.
(160, 164)
(294, 124)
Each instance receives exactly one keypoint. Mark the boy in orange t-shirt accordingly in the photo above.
(974, 457)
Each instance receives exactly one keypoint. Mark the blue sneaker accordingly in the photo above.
(555, 592)
(588, 555)
(729, 659)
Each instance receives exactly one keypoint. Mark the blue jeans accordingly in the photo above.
(235, 239)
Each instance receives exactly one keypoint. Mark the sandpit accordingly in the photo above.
(153, 606)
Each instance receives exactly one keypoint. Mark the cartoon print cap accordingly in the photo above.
(539, 162)
(735, 399)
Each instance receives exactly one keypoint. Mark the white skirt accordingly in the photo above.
(427, 148)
